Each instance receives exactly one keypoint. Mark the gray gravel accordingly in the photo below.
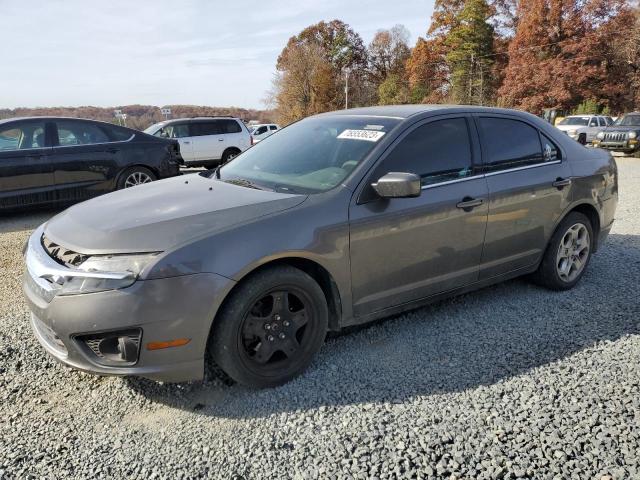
(509, 382)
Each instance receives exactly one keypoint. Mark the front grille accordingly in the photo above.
(62, 255)
(615, 136)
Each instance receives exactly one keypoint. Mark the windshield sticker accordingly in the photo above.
(367, 135)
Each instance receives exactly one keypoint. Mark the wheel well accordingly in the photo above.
(322, 277)
(592, 214)
(234, 149)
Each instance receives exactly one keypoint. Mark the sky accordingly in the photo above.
(197, 52)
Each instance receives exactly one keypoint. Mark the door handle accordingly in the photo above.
(467, 204)
(221, 139)
(560, 183)
(186, 143)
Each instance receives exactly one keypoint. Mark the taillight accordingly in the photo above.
(252, 141)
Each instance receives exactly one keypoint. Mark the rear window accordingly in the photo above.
(117, 134)
(230, 126)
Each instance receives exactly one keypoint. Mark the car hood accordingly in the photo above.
(566, 128)
(159, 215)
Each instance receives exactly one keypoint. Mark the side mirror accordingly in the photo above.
(398, 185)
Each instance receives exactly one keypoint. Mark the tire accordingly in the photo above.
(582, 139)
(135, 176)
(270, 328)
(229, 154)
(559, 269)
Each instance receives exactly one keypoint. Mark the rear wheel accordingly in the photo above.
(229, 155)
(568, 253)
(270, 328)
(135, 176)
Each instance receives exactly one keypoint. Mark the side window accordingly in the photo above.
(71, 132)
(438, 151)
(550, 150)
(602, 122)
(260, 131)
(118, 134)
(230, 126)
(205, 128)
(272, 127)
(509, 143)
(22, 136)
(180, 130)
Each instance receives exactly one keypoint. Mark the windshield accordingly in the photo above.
(629, 121)
(575, 121)
(310, 156)
(153, 128)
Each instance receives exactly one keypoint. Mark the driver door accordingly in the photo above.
(406, 249)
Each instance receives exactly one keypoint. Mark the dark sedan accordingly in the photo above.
(50, 161)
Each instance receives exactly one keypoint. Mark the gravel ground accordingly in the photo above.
(509, 382)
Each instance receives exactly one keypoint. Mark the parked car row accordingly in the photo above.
(621, 135)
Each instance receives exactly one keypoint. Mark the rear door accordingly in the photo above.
(208, 140)
(404, 249)
(529, 188)
(85, 160)
(234, 135)
(26, 174)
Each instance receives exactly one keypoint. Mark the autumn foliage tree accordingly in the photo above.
(310, 70)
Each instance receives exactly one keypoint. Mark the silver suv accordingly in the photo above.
(205, 141)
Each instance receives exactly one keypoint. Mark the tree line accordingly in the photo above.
(570, 55)
(140, 116)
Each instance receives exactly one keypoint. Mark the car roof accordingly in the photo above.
(50, 117)
(406, 111)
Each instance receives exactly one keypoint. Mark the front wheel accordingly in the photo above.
(568, 253)
(270, 328)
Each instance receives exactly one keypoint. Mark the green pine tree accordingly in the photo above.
(470, 54)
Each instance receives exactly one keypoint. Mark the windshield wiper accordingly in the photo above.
(243, 182)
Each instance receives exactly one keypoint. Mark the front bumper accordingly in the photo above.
(622, 146)
(164, 309)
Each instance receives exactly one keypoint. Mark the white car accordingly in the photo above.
(584, 128)
(263, 130)
(205, 141)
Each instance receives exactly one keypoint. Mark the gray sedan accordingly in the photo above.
(340, 219)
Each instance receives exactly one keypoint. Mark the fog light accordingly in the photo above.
(113, 348)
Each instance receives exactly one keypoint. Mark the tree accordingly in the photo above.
(470, 54)
(310, 71)
(305, 84)
(388, 53)
(394, 90)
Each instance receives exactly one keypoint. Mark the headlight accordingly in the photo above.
(600, 135)
(111, 272)
(633, 134)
